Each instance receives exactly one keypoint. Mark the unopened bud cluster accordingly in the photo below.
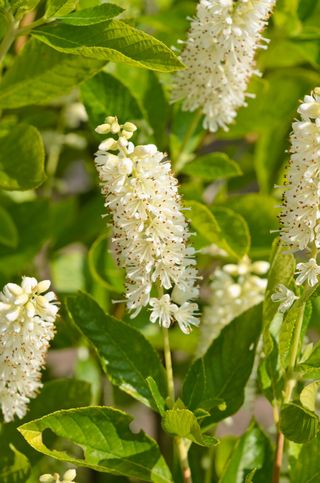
(150, 232)
(68, 477)
(27, 316)
(219, 58)
(112, 126)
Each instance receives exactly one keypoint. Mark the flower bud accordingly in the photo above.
(126, 134)
(70, 475)
(103, 128)
(107, 144)
(46, 478)
(115, 127)
(129, 126)
(110, 119)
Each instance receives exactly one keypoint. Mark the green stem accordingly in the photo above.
(290, 381)
(179, 162)
(183, 457)
(181, 446)
(168, 363)
(288, 388)
(8, 38)
(209, 471)
(37, 23)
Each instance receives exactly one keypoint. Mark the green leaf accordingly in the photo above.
(213, 166)
(260, 213)
(39, 74)
(35, 214)
(298, 424)
(126, 355)
(281, 271)
(111, 40)
(234, 232)
(22, 159)
(68, 270)
(157, 397)
(252, 453)
(8, 231)
(183, 423)
(107, 442)
(94, 15)
(102, 266)
(250, 475)
(304, 465)
(221, 226)
(306, 8)
(288, 53)
(269, 154)
(58, 394)
(146, 87)
(156, 108)
(3, 20)
(16, 471)
(203, 221)
(308, 395)
(55, 395)
(105, 95)
(57, 8)
(276, 100)
(312, 364)
(219, 377)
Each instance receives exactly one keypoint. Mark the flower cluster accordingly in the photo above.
(219, 58)
(234, 289)
(27, 318)
(69, 476)
(300, 216)
(150, 232)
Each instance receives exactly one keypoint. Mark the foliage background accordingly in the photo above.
(50, 207)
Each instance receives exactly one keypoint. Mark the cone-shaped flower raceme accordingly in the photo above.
(27, 317)
(150, 232)
(300, 216)
(219, 58)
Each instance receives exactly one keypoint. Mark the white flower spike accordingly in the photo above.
(300, 216)
(27, 317)
(150, 232)
(285, 296)
(234, 289)
(219, 57)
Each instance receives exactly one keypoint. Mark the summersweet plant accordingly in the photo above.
(159, 241)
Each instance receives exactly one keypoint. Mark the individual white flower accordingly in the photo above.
(285, 296)
(220, 58)
(309, 271)
(150, 232)
(68, 476)
(27, 317)
(300, 214)
(234, 289)
(162, 310)
(186, 316)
